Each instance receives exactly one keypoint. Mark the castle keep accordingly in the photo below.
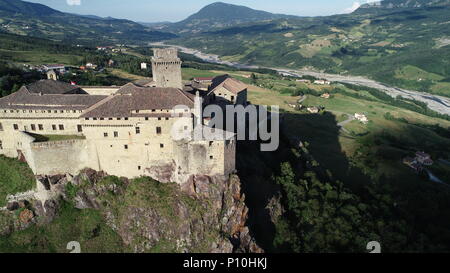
(60, 128)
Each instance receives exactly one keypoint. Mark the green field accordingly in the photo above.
(15, 177)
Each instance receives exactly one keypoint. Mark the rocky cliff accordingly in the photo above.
(206, 214)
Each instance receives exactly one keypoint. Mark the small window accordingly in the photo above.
(138, 130)
(139, 168)
(41, 127)
(79, 128)
(167, 118)
(33, 127)
(211, 157)
(61, 127)
(110, 118)
(105, 134)
(1, 145)
(146, 118)
(118, 118)
(211, 143)
(158, 130)
(1, 127)
(126, 118)
(54, 127)
(86, 118)
(161, 145)
(94, 118)
(153, 110)
(126, 147)
(116, 134)
(102, 119)
(185, 128)
(159, 118)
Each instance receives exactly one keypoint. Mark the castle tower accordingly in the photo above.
(166, 67)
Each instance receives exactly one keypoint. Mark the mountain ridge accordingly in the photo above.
(37, 20)
(221, 15)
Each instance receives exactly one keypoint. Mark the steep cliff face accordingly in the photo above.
(206, 214)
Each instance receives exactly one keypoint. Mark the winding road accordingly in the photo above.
(437, 103)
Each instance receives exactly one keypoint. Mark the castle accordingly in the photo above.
(127, 131)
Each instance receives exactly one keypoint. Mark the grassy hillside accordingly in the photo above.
(404, 47)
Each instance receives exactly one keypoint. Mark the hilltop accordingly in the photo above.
(220, 15)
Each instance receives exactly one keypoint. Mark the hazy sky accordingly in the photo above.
(176, 10)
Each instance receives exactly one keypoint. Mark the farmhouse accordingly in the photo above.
(130, 131)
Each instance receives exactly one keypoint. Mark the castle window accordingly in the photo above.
(49, 111)
(153, 110)
(139, 167)
(116, 134)
(80, 128)
(159, 118)
(41, 127)
(33, 127)
(95, 118)
(61, 127)
(54, 127)
(1, 145)
(158, 130)
(86, 118)
(126, 147)
(167, 118)
(138, 130)
(118, 118)
(211, 157)
(110, 118)
(161, 145)
(102, 119)
(105, 134)
(126, 118)
(137, 111)
(146, 118)
(1, 127)
(211, 143)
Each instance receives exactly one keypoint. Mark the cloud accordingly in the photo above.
(354, 7)
(73, 2)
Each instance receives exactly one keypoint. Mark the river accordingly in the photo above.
(437, 103)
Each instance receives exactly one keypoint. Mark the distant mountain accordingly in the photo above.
(37, 20)
(392, 4)
(220, 15)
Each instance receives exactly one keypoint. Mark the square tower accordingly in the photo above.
(166, 67)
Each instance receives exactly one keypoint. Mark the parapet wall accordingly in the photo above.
(59, 157)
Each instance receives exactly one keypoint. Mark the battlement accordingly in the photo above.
(165, 54)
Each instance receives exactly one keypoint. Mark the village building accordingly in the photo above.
(362, 118)
(204, 80)
(313, 109)
(125, 131)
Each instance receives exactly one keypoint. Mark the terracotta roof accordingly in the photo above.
(231, 84)
(23, 99)
(131, 97)
(53, 87)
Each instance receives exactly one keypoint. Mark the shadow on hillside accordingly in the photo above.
(257, 168)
